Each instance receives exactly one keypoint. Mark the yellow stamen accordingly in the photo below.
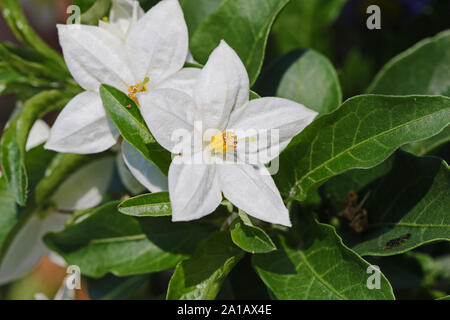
(137, 88)
(105, 19)
(224, 142)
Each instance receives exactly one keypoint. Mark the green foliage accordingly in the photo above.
(405, 204)
(108, 241)
(304, 76)
(318, 266)
(147, 205)
(376, 145)
(201, 276)
(126, 116)
(15, 137)
(362, 133)
(249, 237)
(250, 19)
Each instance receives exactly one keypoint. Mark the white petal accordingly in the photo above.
(39, 133)
(184, 80)
(85, 188)
(128, 180)
(27, 247)
(222, 86)
(194, 191)
(158, 42)
(83, 127)
(169, 114)
(272, 123)
(147, 173)
(125, 13)
(95, 56)
(252, 189)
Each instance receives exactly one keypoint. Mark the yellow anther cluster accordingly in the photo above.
(224, 142)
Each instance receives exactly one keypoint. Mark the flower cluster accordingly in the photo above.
(202, 116)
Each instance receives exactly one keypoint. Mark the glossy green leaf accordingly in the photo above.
(108, 241)
(318, 267)
(201, 276)
(147, 205)
(15, 17)
(195, 11)
(15, 137)
(412, 201)
(249, 237)
(422, 69)
(304, 76)
(126, 116)
(251, 20)
(362, 133)
(429, 145)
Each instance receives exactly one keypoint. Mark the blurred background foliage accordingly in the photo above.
(334, 28)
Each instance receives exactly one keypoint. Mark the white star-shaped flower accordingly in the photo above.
(135, 53)
(229, 126)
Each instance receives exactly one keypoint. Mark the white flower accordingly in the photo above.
(221, 102)
(148, 53)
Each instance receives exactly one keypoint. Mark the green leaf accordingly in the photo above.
(195, 11)
(362, 133)
(306, 24)
(201, 276)
(409, 204)
(15, 137)
(36, 161)
(60, 167)
(114, 288)
(126, 116)
(444, 298)
(244, 25)
(320, 266)
(33, 65)
(108, 241)
(428, 146)
(422, 69)
(249, 237)
(147, 205)
(19, 25)
(304, 76)
(8, 216)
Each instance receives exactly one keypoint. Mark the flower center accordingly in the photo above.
(137, 88)
(224, 142)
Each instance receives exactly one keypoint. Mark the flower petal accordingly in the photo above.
(272, 123)
(83, 127)
(27, 247)
(128, 180)
(252, 189)
(39, 133)
(125, 13)
(169, 115)
(222, 86)
(184, 80)
(85, 188)
(95, 56)
(194, 191)
(147, 173)
(158, 42)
